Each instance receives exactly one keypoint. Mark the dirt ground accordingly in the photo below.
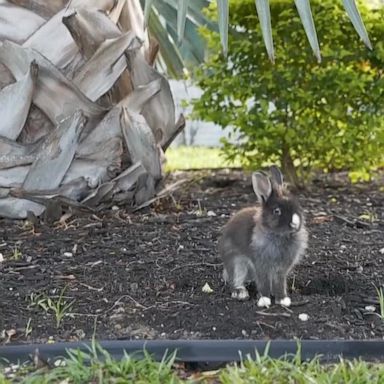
(127, 275)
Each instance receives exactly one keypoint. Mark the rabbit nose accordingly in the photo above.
(295, 222)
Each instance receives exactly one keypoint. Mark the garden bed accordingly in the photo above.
(140, 275)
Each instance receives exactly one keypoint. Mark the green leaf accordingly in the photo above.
(304, 9)
(192, 47)
(223, 9)
(354, 15)
(181, 16)
(147, 10)
(168, 50)
(264, 13)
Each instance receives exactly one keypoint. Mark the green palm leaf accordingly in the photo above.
(175, 24)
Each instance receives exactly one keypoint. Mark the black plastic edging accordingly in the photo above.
(208, 351)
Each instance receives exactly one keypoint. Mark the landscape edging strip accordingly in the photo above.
(207, 351)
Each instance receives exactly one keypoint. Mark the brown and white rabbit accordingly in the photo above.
(262, 244)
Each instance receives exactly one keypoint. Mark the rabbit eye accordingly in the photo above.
(277, 211)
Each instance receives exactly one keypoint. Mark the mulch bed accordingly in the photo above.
(140, 275)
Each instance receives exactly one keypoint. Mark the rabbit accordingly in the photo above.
(263, 243)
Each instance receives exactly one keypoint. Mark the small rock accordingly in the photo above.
(207, 288)
(303, 317)
(1, 258)
(10, 332)
(134, 287)
(244, 332)
(211, 214)
(381, 251)
(60, 363)
(28, 259)
(68, 254)
(80, 333)
(115, 208)
(370, 308)
(213, 328)
(358, 314)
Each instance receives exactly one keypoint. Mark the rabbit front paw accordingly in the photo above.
(286, 302)
(264, 301)
(240, 293)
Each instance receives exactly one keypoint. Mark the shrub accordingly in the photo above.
(301, 114)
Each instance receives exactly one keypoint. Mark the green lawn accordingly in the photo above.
(195, 158)
(262, 371)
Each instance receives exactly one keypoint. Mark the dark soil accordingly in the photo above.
(140, 275)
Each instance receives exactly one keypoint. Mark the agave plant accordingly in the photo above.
(85, 118)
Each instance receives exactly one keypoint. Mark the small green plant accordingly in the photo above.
(369, 216)
(16, 254)
(58, 305)
(380, 295)
(28, 328)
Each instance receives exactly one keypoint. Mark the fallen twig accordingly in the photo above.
(352, 223)
(163, 193)
(196, 264)
(273, 314)
(117, 302)
(91, 288)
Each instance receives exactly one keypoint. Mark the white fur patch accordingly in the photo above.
(295, 223)
(264, 301)
(286, 302)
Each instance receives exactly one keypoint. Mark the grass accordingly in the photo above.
(97, 366)
(380, 295)
(59, 306)
(184, 157)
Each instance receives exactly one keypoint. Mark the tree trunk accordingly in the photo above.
(289, 169)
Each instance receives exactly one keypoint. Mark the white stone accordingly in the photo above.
(68, 254)
(370, 308)
(207, 288)
(303, 317)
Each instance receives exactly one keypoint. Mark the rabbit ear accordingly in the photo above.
(277, 176)
(261, 186)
